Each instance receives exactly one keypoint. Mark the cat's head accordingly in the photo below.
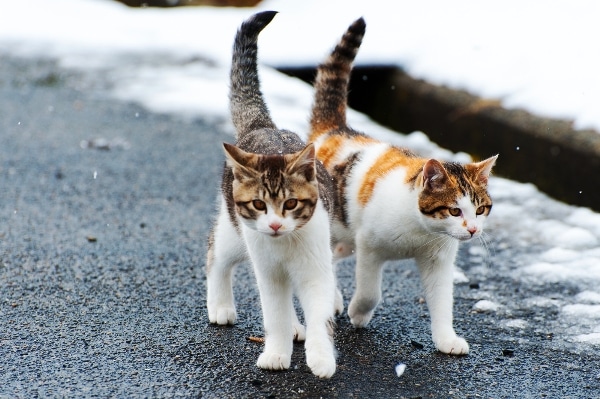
(454, 198)
(273, 194)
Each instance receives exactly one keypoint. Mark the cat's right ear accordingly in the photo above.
(303, 162)
(434, 175)
(238, 160)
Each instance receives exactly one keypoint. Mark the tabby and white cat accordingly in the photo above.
(274, 211)
(393, 204)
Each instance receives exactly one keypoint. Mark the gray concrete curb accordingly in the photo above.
(550, 153)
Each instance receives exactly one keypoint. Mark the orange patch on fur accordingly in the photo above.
(363, 140)
(328, 150)
(390, 160)
(320, 128)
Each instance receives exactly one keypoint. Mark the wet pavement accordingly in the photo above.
(104, 214)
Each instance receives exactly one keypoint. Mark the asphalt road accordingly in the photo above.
(104, 214)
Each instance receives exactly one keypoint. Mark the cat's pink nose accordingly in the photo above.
(275, 226)
(472, 230)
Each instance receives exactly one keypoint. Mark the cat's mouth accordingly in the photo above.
(466, 236)
(274, 234)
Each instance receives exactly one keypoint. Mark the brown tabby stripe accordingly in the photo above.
(340, 174)
(391, 159)
(303, 212)
(247, 211)
(331, 83)
(468, 183)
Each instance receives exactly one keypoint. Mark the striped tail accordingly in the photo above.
(248, 109)
(331, 83)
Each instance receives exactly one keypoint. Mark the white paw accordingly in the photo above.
(222, 315)
(299, 331)
(338, 306)
(452, 345)
(358, 316)
(321, 364)
(273, 361)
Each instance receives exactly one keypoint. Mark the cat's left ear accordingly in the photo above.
(303, 162)
(238, 160)
(480, 171)
(434, 175)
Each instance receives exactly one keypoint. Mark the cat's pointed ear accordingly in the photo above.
(480, 171)
(303, 162)
(239, 161)
(434, 175)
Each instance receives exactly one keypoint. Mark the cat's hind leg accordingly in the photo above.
(338, 306)
(225, 250)
(298, 328)
(338, 303)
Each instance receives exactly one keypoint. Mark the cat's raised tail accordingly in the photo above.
(331, 83)
(248, 109)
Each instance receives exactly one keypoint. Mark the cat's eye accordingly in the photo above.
(290, 204)
(259, 205)
(455, 212)
(480, 210)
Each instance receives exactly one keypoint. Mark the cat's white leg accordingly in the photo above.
(317, 297)
(225, 250)
(368, 275)
(277, 309)
(436, 271)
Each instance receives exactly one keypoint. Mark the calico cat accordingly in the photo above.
(274, 211)
(394, 204)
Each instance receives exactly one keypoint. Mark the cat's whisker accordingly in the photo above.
(436, 236)
(487, 244)
(446, 243)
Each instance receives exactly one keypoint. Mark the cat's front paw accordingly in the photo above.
(453, 345)
(321, 364)
(273, 361)
(222, 315)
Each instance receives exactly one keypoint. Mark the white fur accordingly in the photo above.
(295, 262)
(390, 227)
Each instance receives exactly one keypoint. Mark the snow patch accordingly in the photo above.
(591, 297)
(460, 276)
(400, 368)
(592, 338)
(540, 302)
(485, 306)
(557, 255)
(582, 310)
(576, 238)
(517, 324)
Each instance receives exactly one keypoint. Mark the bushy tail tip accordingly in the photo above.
(257, 22)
